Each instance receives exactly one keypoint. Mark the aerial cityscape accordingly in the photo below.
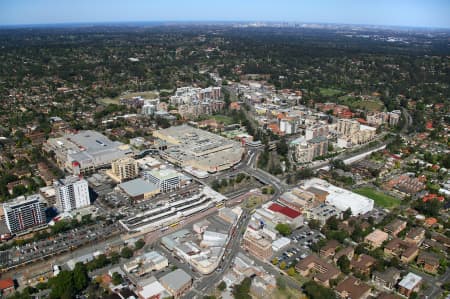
(224, 153)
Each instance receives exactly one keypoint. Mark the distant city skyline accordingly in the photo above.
(410, 13)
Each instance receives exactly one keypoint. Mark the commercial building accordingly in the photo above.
(257, 245)
(166, 179)
(176, 282)
(72, 193)
(341, 198)
(187, 146)
(322, 213)
(24, 214)
(124, 169)
(409, 284)
(139, 189)
(298, 199)
(213, 239)
(150, 261)
(285, 214)
(280, 243)
(151, 288)
(6, 287)
(85, 151)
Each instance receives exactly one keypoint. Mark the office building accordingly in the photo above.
(23, 215)
(166, 179)
(257, 245)
(72, 193)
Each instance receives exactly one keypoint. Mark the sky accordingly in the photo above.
(415, 13)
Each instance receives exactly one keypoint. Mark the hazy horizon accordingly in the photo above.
(402, 13)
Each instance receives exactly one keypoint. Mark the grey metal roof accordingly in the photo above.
(175, 280)
(138, 187)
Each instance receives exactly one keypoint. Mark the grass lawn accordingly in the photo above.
(379, 198)
(226, 120)
(357, 103)
(287, 293)
(330, 92)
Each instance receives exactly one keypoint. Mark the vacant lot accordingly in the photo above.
(144, 94)
(380, 199)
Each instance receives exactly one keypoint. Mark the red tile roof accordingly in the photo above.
(430, 221)
(6, 284)
(362, 121)
(429, 197)
(284, 210)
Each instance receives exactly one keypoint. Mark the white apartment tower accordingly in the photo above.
(22, 214)
(72, 193)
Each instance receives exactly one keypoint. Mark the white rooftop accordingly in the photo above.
(342, 198)
(410, 281)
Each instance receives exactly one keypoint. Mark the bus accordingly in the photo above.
(174, 224)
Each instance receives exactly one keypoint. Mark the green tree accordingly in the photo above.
(344, 264)
(126, 252)
(347, 214)
(139, 244)
(114, 257)
(316, 291)
(291, 271)
(284, 229)
(222, 286)
(283, 265)
(117, 278)
(241, 291)
(314, 224)
(282, 147)
(62, 286)
(80, 277)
